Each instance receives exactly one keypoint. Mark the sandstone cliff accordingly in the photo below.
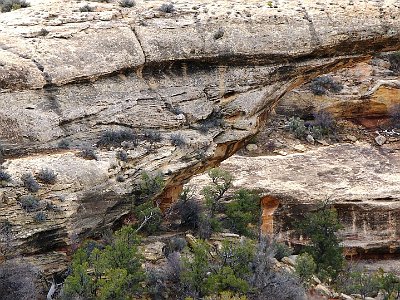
(360, 180)
(204, 76)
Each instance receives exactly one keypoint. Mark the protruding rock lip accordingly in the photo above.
(99, 44)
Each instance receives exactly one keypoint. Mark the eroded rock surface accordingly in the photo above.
(369, 94)
(361, 181)
(211, 71)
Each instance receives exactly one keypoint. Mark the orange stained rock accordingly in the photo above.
(268, 205)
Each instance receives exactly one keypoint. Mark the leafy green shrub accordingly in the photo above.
(365, 283)
(149, 217)
(321, 227)
(46, 176)
(127, 3)
(167, 8)
(244, 209)
(226, 296)
(213, 195)
(9, 5)
(195, 269)
(227, 270)
(115, 138)
(359, 282)
(305, 268)
(389, 283)
(225, 279)
(297, 127)
(282, 250)
(150, 185)
(112, 272)
(29, 203)
(236, 268)
(322, 84)
(30, 183)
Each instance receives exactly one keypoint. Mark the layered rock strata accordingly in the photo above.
(360, 180)
(203, 75)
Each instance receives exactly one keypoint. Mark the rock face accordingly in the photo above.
(364, 96)
(361, 180)
(204, 76)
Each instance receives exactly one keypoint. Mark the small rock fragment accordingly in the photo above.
(288, 261)
(251, 147)
(380, 140)
(323, 142)
(299, 148)
(310, 139)
(345, 297)
(351, 138)
(323, 290)
(190, 239)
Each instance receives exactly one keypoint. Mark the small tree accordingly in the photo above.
(187, 209)
(150, 185)
(321, 227)
(358, 282)
(211, 272)
(305, 268)
(389, 283)
(195, 269)
(244, 210)
(110, 272)
(213, 195)
(149, 217)
(148, 213)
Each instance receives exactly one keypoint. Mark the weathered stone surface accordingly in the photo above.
(370, 93)
(363, 183)
(210, 71)
(380, 140)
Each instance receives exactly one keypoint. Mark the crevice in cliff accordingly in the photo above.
(25, 57)
(315, 42)
(140, 43)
